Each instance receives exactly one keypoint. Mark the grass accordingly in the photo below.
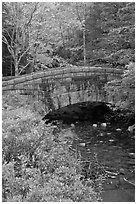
(38, 165)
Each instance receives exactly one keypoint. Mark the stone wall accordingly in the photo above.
(62, 74)
(61, 87)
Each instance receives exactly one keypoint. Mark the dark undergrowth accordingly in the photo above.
(37, 162)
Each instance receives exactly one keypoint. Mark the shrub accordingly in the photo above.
(123, 91)
(38, 165)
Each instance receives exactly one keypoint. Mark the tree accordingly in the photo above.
(55, 25)
(117, 40)
(21, 15)
(82, 33)
(82, 19)
(7, 65)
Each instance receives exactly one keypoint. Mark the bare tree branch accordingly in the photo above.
(24, 53)
(11, 37)
(31, 16)
(78, 15)
(4, 40)
(7, 33)
(10, 49)
(24, 67)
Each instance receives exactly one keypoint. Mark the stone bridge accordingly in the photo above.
(63, 86)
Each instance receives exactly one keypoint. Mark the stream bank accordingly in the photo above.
(106, 144)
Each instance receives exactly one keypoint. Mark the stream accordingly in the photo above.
(114, 148)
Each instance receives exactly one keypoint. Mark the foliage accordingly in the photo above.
(123, 91)
(104, 30)
(38, 165)
(112, 36)
(17, 37)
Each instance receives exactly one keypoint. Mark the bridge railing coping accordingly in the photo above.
(54, 77)
(65, 72)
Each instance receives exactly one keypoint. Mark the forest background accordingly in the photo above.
(37, 35)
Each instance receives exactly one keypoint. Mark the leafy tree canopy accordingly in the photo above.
(105, 30)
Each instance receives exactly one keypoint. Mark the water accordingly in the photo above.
(115, 151)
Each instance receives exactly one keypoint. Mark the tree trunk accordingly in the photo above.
(16, 64)
(61, 33)
(84, 36)
(11, 71)
(84, 46)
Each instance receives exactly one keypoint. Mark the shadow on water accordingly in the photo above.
(115, 150)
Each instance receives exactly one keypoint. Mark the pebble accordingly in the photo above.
(104, 124)
(101, 134)
(54, 126)
(132, 154)
(108, 133)
(111, 140)
(82, 144)
(118, 129)
(131, 128)
(95, 125)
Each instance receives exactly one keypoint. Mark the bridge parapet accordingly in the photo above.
(62, 74)
(59, 87)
